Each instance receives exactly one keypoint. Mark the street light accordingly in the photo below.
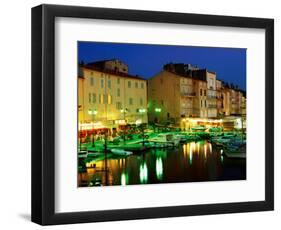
(142, 112)
(93, 112)
(157, 110)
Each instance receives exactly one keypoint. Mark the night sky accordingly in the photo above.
(147, 60)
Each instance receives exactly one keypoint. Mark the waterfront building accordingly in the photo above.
(210, 78)
(243, 105)
(219, 88)
(109, 96)
(185, 91)
(226, 91)
(173, 94)
(233, 101)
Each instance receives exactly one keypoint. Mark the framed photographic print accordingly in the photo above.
(142, 114)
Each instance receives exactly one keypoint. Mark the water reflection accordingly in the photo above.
(143, 173)
(190, 162)
(159, 168)
(124, 179)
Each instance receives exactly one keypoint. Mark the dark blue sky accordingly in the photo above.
(147, 60)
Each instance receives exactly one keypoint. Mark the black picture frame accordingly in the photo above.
(43, 114)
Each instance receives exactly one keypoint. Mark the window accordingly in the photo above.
(109, 99)
(129, 84)
(161, 81)
(91, 81)
(141, 101)
(118, 80)
(101, 83)
(136, 85)
(200, 92)
(100, 98)
(205, 104)
(201, 104)
(142, 85)
(130, 101)
(162, 102)
(118, 92)
(205, 92)
(105, 99)
(118, 105)
(89, 97)
(109, 84)
(94, 98)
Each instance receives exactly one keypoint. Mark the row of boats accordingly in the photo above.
(232, 144)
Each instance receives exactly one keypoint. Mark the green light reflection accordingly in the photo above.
(159, 168)
(143, 173)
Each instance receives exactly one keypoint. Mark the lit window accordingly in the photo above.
(109, 99)
(100, 98)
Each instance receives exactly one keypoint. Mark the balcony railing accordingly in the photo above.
(212, 97)
(188, 94)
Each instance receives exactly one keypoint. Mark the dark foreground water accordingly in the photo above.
(190, 162)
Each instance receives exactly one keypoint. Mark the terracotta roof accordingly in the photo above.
(112, 72)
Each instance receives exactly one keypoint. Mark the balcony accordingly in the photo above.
(212, 106)
(212, 97)
(188, 94)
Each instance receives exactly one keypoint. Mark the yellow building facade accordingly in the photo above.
(110, 99)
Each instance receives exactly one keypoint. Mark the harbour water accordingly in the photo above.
(190, 162)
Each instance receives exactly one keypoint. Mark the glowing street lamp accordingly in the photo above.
(92, 112)
(124, 111)
(158, 110)
(142, 112)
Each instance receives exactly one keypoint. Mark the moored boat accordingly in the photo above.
(121, 152)
(165, 139)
